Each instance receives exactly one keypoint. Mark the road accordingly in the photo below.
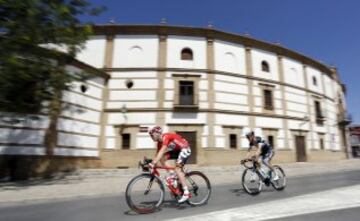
(227, 202)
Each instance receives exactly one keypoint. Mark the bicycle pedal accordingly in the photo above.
(267, 182)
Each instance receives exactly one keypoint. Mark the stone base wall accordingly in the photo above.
(124, 158)
(325, 155)
(205, 157)
(218, 157)
(24, 167)
(211, 157)
(215, 157)
(284, 156)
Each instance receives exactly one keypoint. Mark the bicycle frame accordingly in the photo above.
(255, 167)
(155, 172)
(170, 187)
(153, 178)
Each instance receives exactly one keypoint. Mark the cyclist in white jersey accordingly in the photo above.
(264, 151)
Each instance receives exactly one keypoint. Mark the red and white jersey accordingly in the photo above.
(174, 142)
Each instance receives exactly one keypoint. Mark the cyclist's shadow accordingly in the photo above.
(172, 204)
(238, 191)
(242, 192)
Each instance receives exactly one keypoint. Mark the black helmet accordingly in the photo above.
(249, 134)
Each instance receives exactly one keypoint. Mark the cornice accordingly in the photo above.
(200, 110)
(188, 70)
(211, 33)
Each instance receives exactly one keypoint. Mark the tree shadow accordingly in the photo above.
(21, 138)
(23, 154)
(55, 179)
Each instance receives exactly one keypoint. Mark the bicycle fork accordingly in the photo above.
(264, 178)
(147, 191)
(193, 185)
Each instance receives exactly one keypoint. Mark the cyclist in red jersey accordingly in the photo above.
(171, 146)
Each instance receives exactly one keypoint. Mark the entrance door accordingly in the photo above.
(300, 149)
(191, 138)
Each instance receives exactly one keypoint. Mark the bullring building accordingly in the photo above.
(208, 85)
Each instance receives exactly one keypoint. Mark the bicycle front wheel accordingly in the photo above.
(145, 193)
(199, 188)
(251, 182)
(280, 182)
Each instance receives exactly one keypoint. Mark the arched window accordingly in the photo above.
(230, 62)
(265, 66)
(186, 54)
(314, 80)
(135, 55)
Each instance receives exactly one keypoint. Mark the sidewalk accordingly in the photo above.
(112, 182)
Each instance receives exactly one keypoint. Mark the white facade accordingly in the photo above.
(230, 93)
(135, 51)
(228, 99)
(78, 126)
(229, 57)
(177, 43)
(258, 56)
(94, 52)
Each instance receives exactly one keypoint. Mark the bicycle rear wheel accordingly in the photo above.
(145, 193)
(251, 182)
(199, 187)
(280, 183)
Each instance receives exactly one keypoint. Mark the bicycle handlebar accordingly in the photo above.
(252, 160)
(145, 165)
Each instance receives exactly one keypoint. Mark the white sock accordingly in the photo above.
(186, 190)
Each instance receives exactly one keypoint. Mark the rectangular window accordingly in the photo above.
(268, 103)
(186, 92)
(271, 140)
(125, 141)
(321, 144)
(318, 114)
(233, 141)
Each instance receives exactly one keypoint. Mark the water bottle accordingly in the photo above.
(172, 180)
(263, 172)
(175, 183)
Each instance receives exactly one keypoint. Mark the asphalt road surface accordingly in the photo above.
(227, 202)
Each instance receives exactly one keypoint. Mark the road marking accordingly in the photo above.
(341, 198)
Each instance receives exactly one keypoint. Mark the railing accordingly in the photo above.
(344, 119)
(320, 119)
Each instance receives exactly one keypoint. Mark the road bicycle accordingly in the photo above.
(146, 192)
(254, 176)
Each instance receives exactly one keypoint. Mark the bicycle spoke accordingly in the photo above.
(200, 188)
(149, 186)
(144, 201)
(280, 182)
(194, 188)
(251, 181)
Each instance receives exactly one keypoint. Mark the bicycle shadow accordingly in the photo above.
(238, 191)
(242, 192)
(170, 204)
(173, 204)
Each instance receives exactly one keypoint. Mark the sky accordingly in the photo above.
(325, 30)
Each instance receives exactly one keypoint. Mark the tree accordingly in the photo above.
(32, 75)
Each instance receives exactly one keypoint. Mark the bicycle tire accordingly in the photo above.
(194, 188)
(155, 205)
(247, 189)
(283, 176)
